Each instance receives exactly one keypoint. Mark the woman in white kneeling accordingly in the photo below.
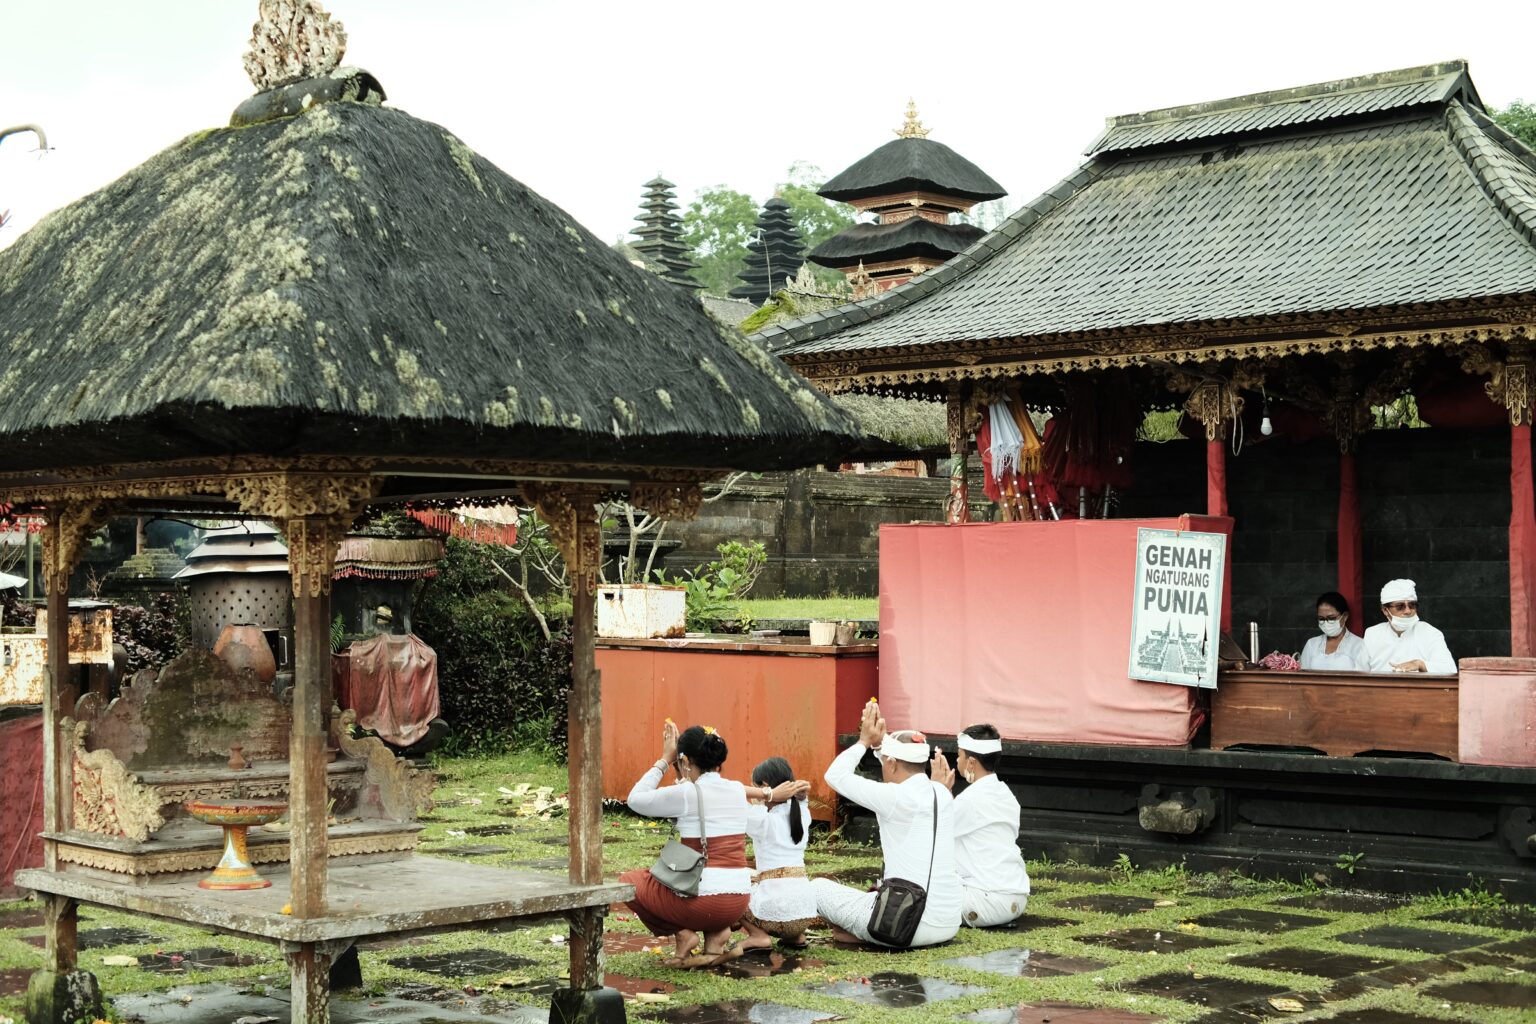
(993, 882)
(916, 844)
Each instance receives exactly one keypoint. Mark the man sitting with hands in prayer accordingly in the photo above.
(994, 885)
(1404, 643)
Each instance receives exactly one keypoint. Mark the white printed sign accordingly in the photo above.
(1176, 614)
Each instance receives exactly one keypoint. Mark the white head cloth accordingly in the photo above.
(1398, 590)
(901, 750)
(972, 745)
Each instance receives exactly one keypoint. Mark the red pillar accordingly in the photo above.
(1215, 478)
(1351, 549)
(1522, 545)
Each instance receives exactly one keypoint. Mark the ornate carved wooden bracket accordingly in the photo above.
(314, 510)
(680, 501)
(569, 509)
(1509, 380)
(1213, 402)
(70, 524)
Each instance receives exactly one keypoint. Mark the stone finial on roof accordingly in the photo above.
(291, 40)
(913, 129)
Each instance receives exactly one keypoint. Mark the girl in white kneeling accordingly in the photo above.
(778, 822)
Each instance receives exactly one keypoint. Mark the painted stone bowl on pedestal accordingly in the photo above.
(236, 816)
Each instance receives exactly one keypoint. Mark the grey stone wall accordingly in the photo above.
(1434, 507)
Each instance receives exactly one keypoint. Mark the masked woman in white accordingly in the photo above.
(917, 837)
(994, 885)
(1404, 643)
(1335, 648)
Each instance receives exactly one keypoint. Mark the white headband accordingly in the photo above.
(1399, 590)
(913, 753)
(975, 746)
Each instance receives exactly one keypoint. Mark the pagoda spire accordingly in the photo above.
(913, 129)
(661, 234)
(774, 254)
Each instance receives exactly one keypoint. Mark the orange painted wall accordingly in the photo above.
(764, 705)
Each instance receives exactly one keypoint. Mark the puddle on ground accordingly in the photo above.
(467, 963)
(744, 1011)
(1516, 917)
(203, 958)
(758, 964)
(1108, 903)
(630, 986)
(1057, 1013)
(1206, 991)
(13, 980)
(1151, 940)
(1243, 919)
(465, 850)
(1424, 940)
(1415, 971)
(888, 988)
(1486, 993)
(1333, 966)
(1516, 947)
(106, 938)
(379, 945)
(20, 919)
(1344, 902)
(221, 1004)
(1021, 963)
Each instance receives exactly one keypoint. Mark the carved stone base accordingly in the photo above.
(144, 863)
(63, 997)
(594, 1006)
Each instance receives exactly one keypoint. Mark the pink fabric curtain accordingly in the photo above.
(21, 809)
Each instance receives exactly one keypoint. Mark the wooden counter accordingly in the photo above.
(768, 697)
(1338, 713)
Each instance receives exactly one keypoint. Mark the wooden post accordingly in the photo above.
(958, 509)
(309, 965)
(1212, 402)
(1522, 507)
(311, 555)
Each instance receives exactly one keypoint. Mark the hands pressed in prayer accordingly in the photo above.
(871, 726)
(669, 742)
(940, 770)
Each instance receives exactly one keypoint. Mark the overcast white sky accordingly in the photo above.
(584, 100)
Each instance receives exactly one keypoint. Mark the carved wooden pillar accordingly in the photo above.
(1212, 403)
(958, 508)
(1345, 416)
(1516, 395)
(312, 542)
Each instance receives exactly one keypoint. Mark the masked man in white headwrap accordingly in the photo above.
(917, 837)
(1404, 643)
(994, 886)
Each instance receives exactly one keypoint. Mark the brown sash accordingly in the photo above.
(724, 851)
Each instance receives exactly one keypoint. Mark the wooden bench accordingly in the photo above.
(415, 895)
(1338, 713)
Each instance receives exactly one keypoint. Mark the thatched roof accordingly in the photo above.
(909, 165)
(353, 280)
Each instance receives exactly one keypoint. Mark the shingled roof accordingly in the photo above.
(354, 281)
(1389, 190)
(906, 239)
(910, 165)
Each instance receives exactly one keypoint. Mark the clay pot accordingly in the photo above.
(242, 645)
(237, 760)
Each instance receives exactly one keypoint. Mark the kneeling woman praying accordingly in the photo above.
(711, 815)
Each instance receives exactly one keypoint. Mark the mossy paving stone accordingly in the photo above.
(1058, 1013)
(744, 1011)
(203, 958)
(1022, 963)
(13, 919)
(1151, 940)
(1244, 919)
(218, 1003)
(1076, 873)
(1344, 902)
(13, 980)
(1515, 918)
(465, 850)
(1376, 1016)
(1423, 940)
(1035, 922)
(1415, 971)
(1209, 990)
(1334, 966)
(1486, 993)
(1525, 946)
(893, 989)
(465, 963)
(1108, 903)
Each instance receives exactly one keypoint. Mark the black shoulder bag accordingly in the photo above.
(899, 903)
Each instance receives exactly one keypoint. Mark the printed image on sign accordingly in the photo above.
(1176, 610)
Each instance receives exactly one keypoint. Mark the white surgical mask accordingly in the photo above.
(1402, 623)
(1331, 628)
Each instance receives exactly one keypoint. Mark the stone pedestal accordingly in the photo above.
(63, 997)
(592, 1006)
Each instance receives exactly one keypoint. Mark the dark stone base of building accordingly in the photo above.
(1387, 824)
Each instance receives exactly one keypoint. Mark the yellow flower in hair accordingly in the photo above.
(709, 730)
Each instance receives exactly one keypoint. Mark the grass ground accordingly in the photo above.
(475, 821)
(839, 608)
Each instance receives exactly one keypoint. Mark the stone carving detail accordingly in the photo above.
(1179, 814)
(139, 864)
(293, 495)
(108, 799)
(404, 792)
(293, 39)
(667, 500)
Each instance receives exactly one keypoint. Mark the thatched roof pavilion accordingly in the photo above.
(328, 306)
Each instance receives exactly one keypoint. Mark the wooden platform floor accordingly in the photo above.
(415, 894)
